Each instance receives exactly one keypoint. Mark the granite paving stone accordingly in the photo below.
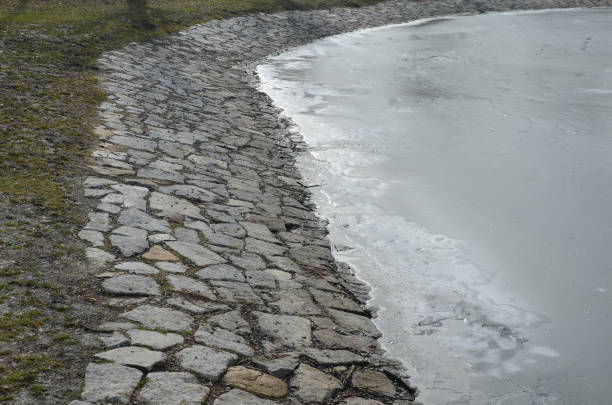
(173, 388)
(110, 383)
(206, 362)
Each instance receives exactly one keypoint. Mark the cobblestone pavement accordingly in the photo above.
(205, 238)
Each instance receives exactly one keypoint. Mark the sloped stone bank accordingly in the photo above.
(205, 239)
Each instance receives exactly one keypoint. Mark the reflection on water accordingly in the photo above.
(466, 162)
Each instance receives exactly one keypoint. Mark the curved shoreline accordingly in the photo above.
(195, 169)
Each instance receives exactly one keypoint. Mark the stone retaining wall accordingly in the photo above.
(206, 240)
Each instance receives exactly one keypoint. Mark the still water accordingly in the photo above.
(465, 165)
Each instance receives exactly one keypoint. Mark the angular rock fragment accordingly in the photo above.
(334, 340)
(159, 253)
(236, 396)
(171, 267)
(231, 321)
(248, 261)
(280, 366)
(154, 340)
(328, 357)
(236, 292)
(255, 381)
(136, 268)
(130, 284)
(373, 381)
(110, 383)
(98, 221)
(133, 356)
(187, 284)
(291, 332)
(221, 272)
(139, 219)
(173, 388)
(196, 253)
(160, 318)
(312, 385)
(129, 240)
(354, 323)
(206, 362)
(199, 307)
(115, 340)
(168, 203)
(96, 238)
(222, 339)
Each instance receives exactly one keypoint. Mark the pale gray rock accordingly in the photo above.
(170, 388)
(334, 340)
(113, 326)
(288, 331)
(128, 197)
(98, 221)
(312, 385)
(373, 381)
(161, 237)
(96, 238)
(132, 356)
(200, 307)
(136, 268)
(221, 272)
(222, 339)
(130, 284)
(280, 366)
(110, 383)
(236, 292)
(134, 142)
(187, 284)
(248, 261)
(110, 208)
(168, 203)
(264, 248)
(231, 321)
(259, 279)
(98, 182)
(259, 231)
(234, 230)
(335, 300)
(294, 302)
(160, 318)
(328, 357)
(80, 403)
(139, 219)
(191, 192)
(129, 241)
(236, 396)
(171, 267)
(352, 323)
(186, 235)
(159, 174)
(279, 274)
(196, 253)
(206, 362)
(154, 340)
(115, 340)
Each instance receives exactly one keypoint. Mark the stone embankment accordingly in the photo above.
(205, 238)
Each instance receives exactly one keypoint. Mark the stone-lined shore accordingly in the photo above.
(205, 238)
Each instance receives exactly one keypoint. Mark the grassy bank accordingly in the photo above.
(48, 98)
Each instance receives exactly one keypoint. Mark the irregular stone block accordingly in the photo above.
(327, 357)
(187, 284)
(354, 323)
(231, 321)
(129, 240)
(133, 356)
(255, 381)
(373, 381)
(130, 284)
(137, 268)
(160, 318)
(222, 339)
(221, 272)
(196, 253)
(173, 389)
(168, 203)
(110, 383)
(288, 331)
(236, 396)
(154, 340)
(312, 385)
(206, 362)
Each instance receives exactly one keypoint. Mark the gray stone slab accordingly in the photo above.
(132, 356)
(334, 300)
(236, 292)
(191, 192)
(206, 362)
(334, 340)
(96, 238)
(173, 388)
(198, 254)
(328, 357)
(354, 323)
(280, 366)
(168, 203)
(130, 284)
(154, 340)
(294, 302)
(264, 248)
(98, 221)
(110, 383)
(221, 272)
(160, 318)
(312, 385)
(197, 307)
(139, 219)
(129, 241)
(236, 396)
(231, 321)
(115, 340)
(171, 267)
(259, 231)
(288, 331)
(248, 261)
(215, 336)
(190, 285)
(136, 268)
(373, 381)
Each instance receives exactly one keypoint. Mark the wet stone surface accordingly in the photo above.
(198, 209)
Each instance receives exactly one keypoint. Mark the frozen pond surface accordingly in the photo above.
(467, 162)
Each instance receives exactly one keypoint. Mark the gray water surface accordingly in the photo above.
(465, 165)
